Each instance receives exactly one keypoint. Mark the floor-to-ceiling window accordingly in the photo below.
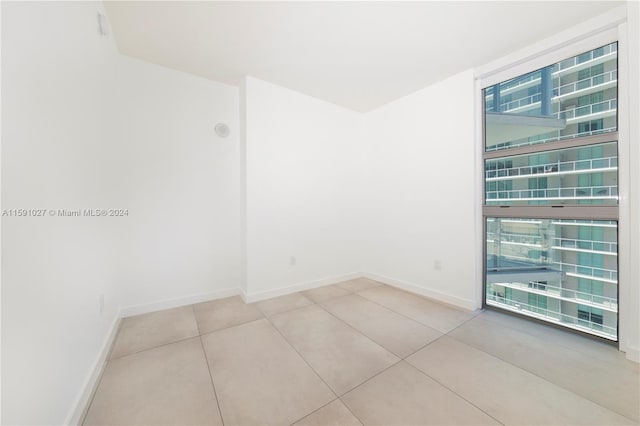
(551, 193)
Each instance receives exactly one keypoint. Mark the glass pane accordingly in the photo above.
(561, 271)
(583, 175)
(573, 98)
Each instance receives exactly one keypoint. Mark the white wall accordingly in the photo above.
(183, 186)
(300, 191)
(419, 192)
(59, 151)
(84, 127)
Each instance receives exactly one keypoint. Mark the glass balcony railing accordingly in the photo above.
(516, 84)
(569, 114)
(543, 118)
(565, 167)
(519, 103)
(589, 271)
(534, 240)
(551, 194)
(610, 49)
(553, 316)
(566, 294)
(586, 83)
(562, 176)
(586, 245)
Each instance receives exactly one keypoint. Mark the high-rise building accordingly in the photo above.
(560, 269)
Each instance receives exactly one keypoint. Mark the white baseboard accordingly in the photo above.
(177, 302)
(81, 404)
(459, 302)
(632, 354)
(243, 294)
(308, 285)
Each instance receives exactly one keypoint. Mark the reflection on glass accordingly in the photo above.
(584, 175)
(573, 98)
(561, 271)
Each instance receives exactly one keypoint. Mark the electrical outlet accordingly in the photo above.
(437, 265)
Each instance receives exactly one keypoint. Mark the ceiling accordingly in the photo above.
(359, 55)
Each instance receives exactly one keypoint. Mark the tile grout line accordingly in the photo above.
(454, 392)
(559, 343)
(213, 385)
(286, 310)
(300, 355)
(268, 318)
(370, 378)
(320, 304)
(408, 363)
(542, 378)
(439, 337)
(206, 360)
(154, 347)
(395, 312)
(473, 317)
(358, 331)
(313, 302)
(442, 384)
(314, 411)
(531, 372)
(416, 322)
(408, 317)
(352, 413)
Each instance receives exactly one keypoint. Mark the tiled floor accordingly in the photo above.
(355, 353)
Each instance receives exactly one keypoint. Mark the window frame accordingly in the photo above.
(560, 211)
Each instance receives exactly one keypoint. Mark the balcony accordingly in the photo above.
(552, 316)
(512, 106)
(590, 272)
(586, 246)
(588, 59)
(600, 81)
(565, 294)
(553, 194)
(551, 169)
(525, 82)
(600, 109)
(587, 85)
(576, 222)
(520, 239)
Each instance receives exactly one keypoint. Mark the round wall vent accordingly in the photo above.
(222, 130)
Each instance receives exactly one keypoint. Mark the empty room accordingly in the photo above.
(320, 213)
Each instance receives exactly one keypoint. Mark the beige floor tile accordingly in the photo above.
(563, 337)
(607, 384)
(332, 414)
(507, 393)
(321, 294)
(154, 329)
(443, 318)
(359, 284)
(402, 395)
(396, 333)
(283, 303)
(342, 356)
(259, 377)
(222, 313)
(165, 385)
